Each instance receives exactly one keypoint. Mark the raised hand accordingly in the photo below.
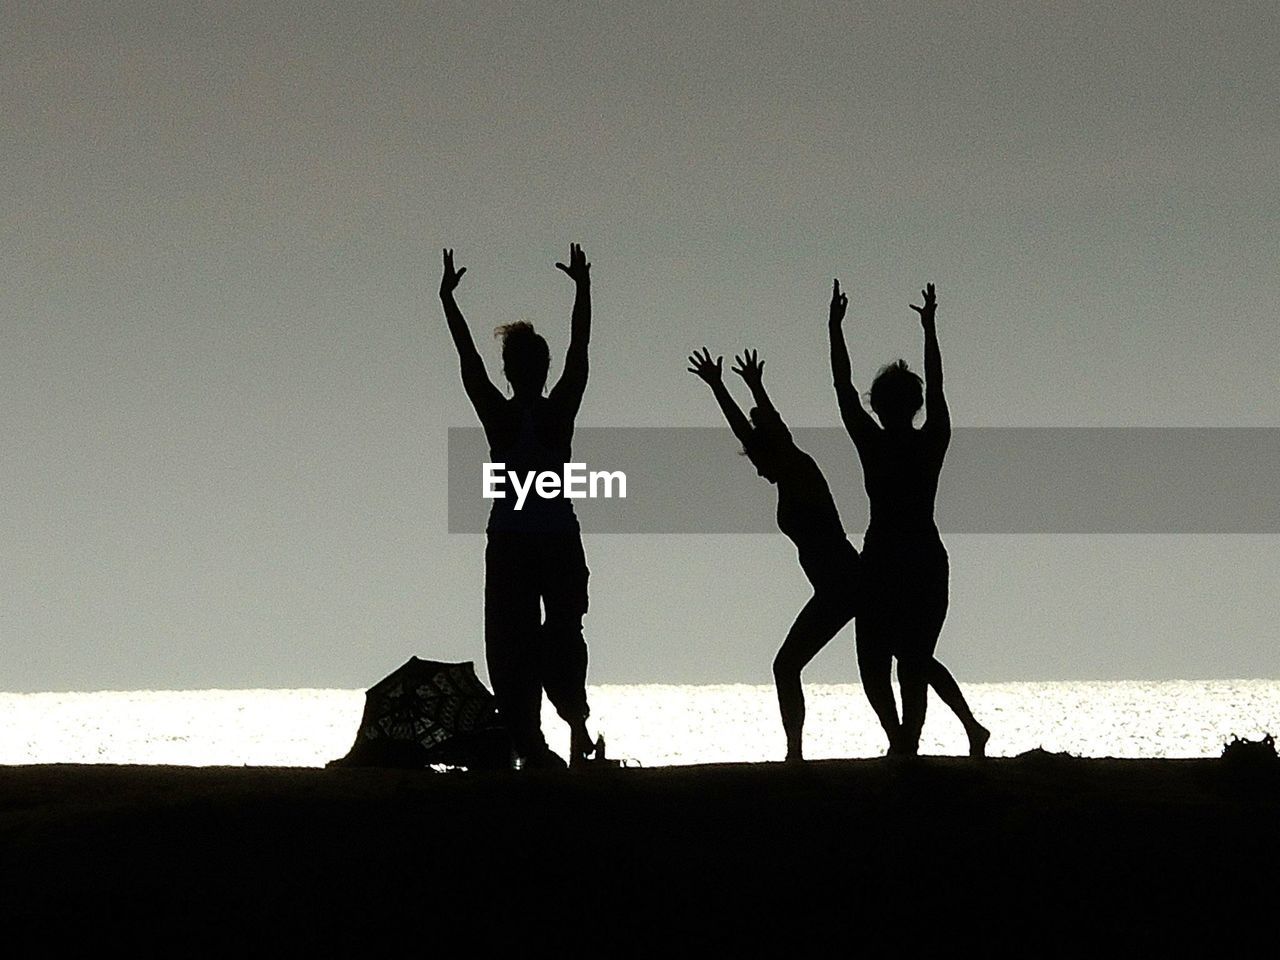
(449, 279)
(710, 371)
(930, 304)
(578, 268)
(749, 367)
(839, 303)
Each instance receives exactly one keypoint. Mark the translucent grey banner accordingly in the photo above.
(995, 480)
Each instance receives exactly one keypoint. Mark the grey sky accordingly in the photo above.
(225, 380)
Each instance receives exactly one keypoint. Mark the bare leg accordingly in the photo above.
(924, 609)
(945, 686)
(875, 666)
(913, 682)
(818, 621)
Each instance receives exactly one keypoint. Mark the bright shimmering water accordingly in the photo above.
(654, 724)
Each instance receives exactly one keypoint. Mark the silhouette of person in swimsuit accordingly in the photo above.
(533, 557)
(807, 515)
(904, 563)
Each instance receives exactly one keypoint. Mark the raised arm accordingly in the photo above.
(475, 379)
(750, 368)
(937, 416)
(856, 419)
(573, 381)
(711, 372)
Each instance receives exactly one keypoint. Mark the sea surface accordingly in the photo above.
(654, 725)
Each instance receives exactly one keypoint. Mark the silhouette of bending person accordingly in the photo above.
(533, 556)
(807, 515)
(904, 563)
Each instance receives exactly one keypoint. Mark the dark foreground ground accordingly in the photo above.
(1036, 855)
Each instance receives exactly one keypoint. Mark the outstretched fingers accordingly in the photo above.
(703, 366)
(748, 365)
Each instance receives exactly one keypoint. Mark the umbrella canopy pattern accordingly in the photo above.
(428, 713)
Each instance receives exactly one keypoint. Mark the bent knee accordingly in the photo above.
(786, 667)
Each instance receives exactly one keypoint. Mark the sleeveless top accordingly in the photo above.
(530, 438)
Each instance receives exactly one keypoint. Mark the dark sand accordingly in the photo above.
(1039, 854)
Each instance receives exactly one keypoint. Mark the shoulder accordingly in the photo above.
(869, 440)
(935, 433)
(499, 415)
(495, 408)
(930, 447)
(803, 461)
(557, 409)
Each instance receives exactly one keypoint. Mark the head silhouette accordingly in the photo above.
(896, 395)
(525, 358)
(770, 437)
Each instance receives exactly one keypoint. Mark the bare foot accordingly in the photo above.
(978, 738)
(899, 746)
(581, 746)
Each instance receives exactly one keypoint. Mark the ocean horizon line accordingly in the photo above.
(717, 684)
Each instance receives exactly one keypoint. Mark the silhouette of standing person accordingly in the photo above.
(905, 565)
(807, 515)
(533, 556)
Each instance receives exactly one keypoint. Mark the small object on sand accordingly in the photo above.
(1257, 756)
(430, 714)
(595, 757)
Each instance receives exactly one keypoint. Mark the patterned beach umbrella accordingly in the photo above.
(426, 713)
